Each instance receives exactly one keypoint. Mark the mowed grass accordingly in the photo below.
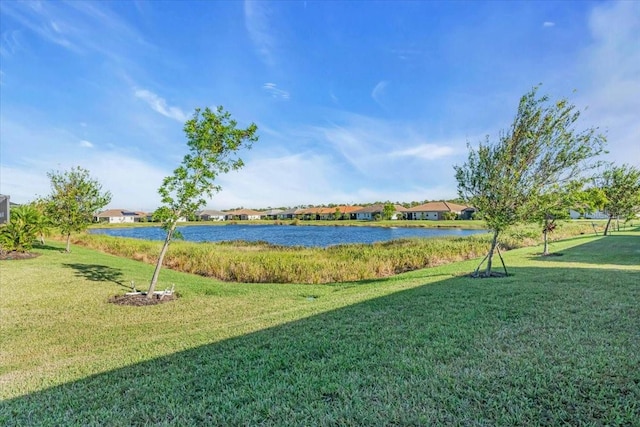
(555, 343)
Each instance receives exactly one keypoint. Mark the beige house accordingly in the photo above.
(437, 211)
(242, 214)
(119, 216)
(370, 213)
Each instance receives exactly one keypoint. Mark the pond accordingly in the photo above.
(288, 235)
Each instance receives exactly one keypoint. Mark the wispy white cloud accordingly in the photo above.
(43, 20)
(258, 22)
(547, 24)
(159, 105)
(425, 151)
(275, 92)
(612, 65)
(367, 144)
(86, 144)
(10, 43)
(405, 54)
(378, 92)
(79, 27)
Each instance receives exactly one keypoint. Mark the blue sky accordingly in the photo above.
(354, 101)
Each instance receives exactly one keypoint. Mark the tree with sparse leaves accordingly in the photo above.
(540, 151)
(74, 201)
(621, 188)
(553, 205)
(213, 141)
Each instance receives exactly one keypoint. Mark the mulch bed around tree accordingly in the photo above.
(141, 299)
(493, 274)
(13, 255)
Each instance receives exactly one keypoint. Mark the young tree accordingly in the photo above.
(213, 142)
(388, 210)
(621, 188)
(540, 150)
(553, 205)
(74, 200)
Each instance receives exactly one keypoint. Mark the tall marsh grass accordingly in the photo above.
(260, 262)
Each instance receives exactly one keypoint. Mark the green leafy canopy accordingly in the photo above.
(75, 198)
(621, 188)
(213, 141)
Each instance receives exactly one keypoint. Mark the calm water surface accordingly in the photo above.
(287, 235)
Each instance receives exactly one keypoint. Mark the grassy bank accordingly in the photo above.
(554, 344)
(264, 263)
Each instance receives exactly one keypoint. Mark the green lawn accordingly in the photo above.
(558, 342)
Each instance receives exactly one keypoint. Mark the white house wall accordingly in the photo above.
(594, 215)
(120, 219)
(426, 215)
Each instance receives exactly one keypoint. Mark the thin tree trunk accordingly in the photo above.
(504, 266)
(68, 242)
(494, 243)
(163, 252)
(545, 232)
(475, 273)
(606, 229)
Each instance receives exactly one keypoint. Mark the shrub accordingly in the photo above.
(449, 216)
(22, 229)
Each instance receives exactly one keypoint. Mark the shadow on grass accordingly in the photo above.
(547, 346)
(46, 247)
(634, 226)
(98, 273)
(616, 249)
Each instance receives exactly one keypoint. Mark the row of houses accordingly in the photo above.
(428, 211)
